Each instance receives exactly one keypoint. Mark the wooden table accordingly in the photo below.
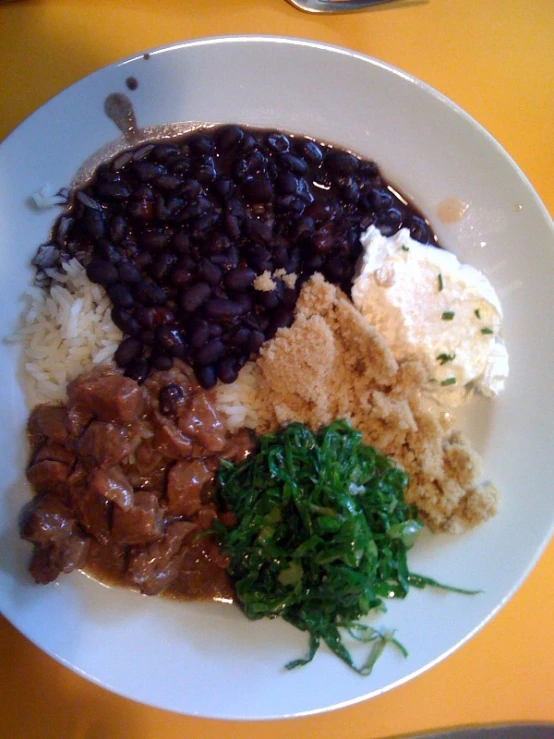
(496, 60)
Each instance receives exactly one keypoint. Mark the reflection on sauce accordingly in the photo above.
(119, 109)
(131, 83)
(451, 210)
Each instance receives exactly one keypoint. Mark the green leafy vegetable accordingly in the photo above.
(449, 381)
(322, 535)
(448, 315)
(441, 283)
(444, 358)
(486, 330)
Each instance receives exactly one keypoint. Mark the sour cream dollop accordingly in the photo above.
(426, 303)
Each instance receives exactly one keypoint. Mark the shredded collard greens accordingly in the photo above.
(322, 535)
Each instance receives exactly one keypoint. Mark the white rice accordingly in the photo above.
(240, 401)
(66, 331)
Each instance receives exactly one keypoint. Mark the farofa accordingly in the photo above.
(332, 364)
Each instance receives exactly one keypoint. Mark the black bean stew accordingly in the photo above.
(177, 233)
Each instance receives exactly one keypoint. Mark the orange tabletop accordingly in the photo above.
(495, 58)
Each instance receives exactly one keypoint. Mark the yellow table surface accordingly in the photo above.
(495, 58)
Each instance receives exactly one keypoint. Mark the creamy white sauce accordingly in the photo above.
(426, 303)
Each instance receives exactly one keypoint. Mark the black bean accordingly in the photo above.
(249, 164)
(206, 376)
(190, 189)
(47, 256)
(115, 190)
(162, 265)
(138, 371)
(286, 183)
(245, 301)
(232, 225)
(419, 230)
(255, 341)
(65, 226)
(118, 228)
(239, 278)
(128, 272)
(381, 199)
(310, 151)
(143, 259)
(257, 189)
(323, 240)
(210, 272)
(227, 370)
(201, 145)
(141, 208)
(259, 231)
(180, 276)
(125, 321)
(170, 340)
(145, 316)
(120, 295)
(221, 308)
(230, 137)
(194, 296)
(161, 152)
(293, 164)
(340, 162)
(260, 258)
(282, 317)
(161, 361)
(94, 223)
(210, 352)
(180, 243)
(224, 187)
(129, 350)
(147, 336)
(147, 171)
(269, 299)
(148, 293)
(241, 337)
(199, 334)
(101, 272)
(278, 142)
(154, 239)
(170, 398)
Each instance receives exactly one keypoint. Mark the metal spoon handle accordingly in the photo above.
(334, 6)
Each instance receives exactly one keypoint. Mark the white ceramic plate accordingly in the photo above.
(206, 659)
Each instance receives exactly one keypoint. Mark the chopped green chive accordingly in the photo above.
(448, 315)
(405, 248)
(444, 358)
(441, 284)
(477, 313)
(486, 330)
(449, 381)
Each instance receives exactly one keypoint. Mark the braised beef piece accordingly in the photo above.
(201, 422)
(112, 485)
(54, 452)
(154, 567)
(108, 395)
(105, 444)
(123, 476)
(64, 556)
(47, 519)
(185, 483)
(141, 523)
(48, 421)
(49, 476)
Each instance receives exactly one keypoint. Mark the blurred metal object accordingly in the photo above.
(335, 6)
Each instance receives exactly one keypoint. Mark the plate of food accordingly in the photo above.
(277, 419)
